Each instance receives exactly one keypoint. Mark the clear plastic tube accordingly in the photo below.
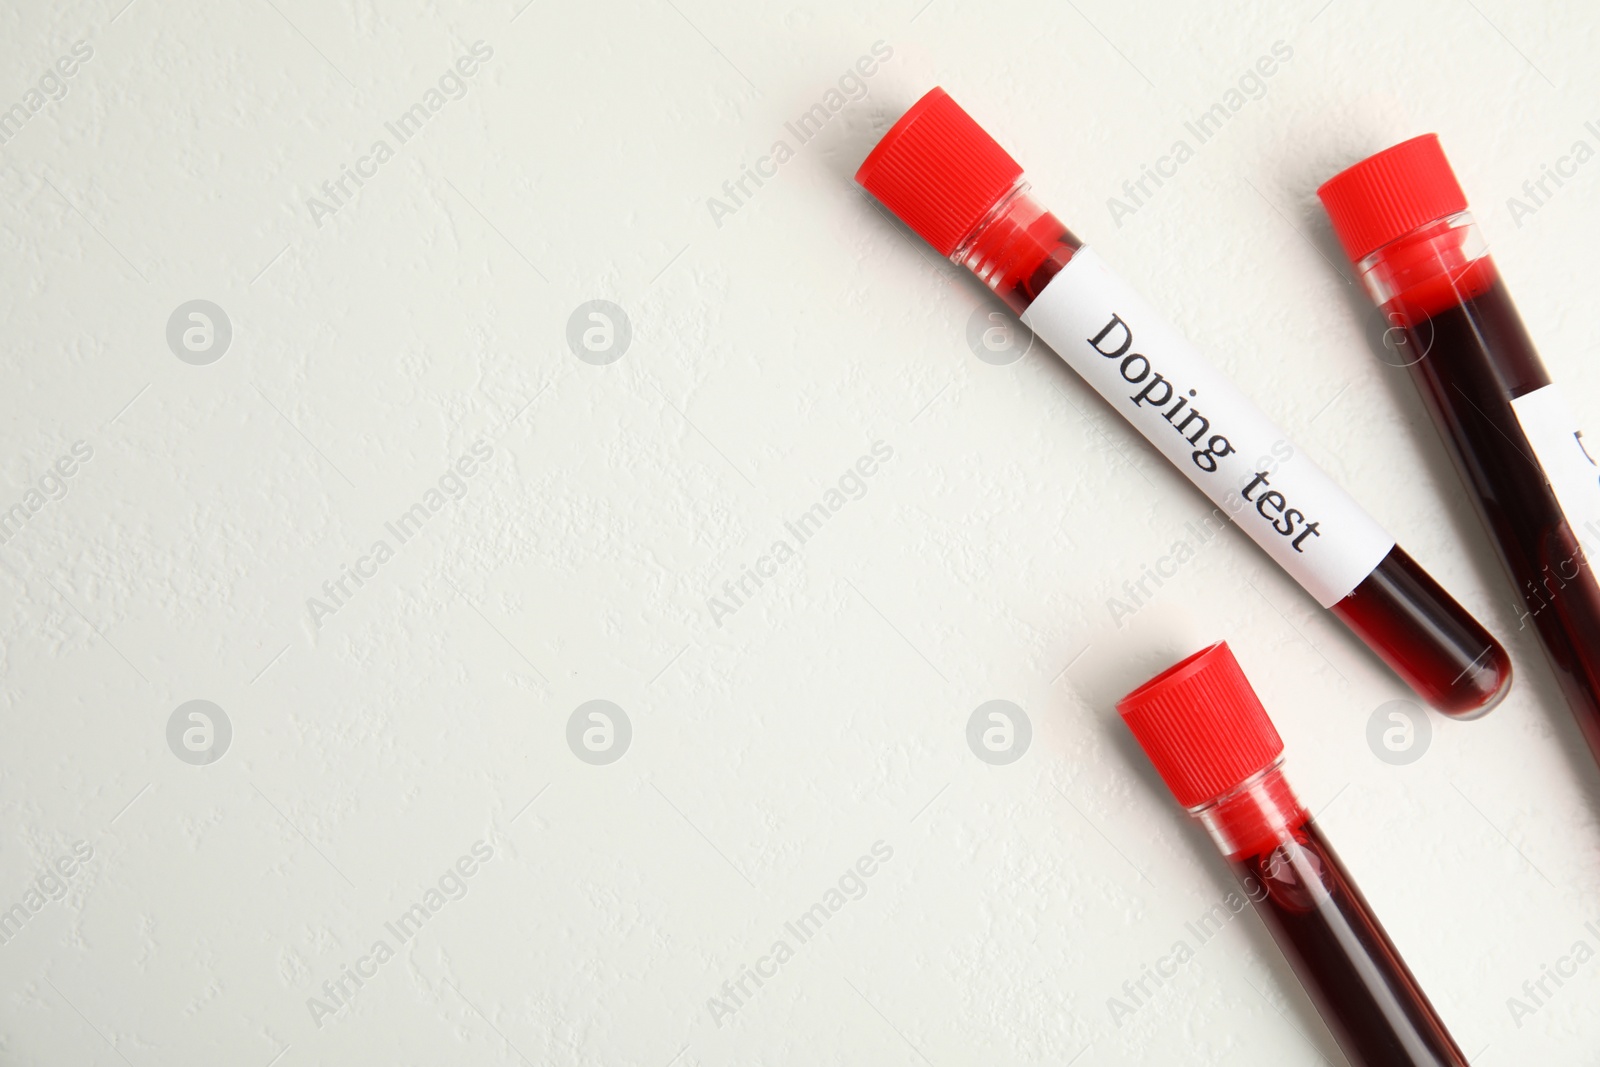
(943, 175)
(1214, 746)
(1402, 217)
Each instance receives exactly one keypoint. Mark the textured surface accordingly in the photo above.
(775, 337)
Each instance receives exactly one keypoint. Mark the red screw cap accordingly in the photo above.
(1202, 726)
(938, 171)
(1388, 195)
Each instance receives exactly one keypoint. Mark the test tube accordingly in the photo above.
(1211, 741)
(947, 179)
(1403, 220)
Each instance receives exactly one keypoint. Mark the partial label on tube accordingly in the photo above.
(1207, 428)
(1568, 465)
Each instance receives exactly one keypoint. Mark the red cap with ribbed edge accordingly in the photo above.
(938, 171)
(1388, 195)
(1202, 726)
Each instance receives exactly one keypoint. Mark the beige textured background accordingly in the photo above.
(372, 748)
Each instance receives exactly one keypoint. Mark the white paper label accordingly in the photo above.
(1558, 447)
(1208, 429)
